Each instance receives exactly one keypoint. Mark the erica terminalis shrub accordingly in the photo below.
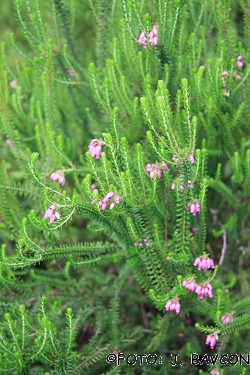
(124, 182)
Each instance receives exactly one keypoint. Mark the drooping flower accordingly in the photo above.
(173, 305)
(227, 318)
(211, 340)
(190, 284)
(194, 207)
(51, 214)
(95, 148)
(93, 187)
(58, 176)
(156, 169)
(204, 262)
(203, 290)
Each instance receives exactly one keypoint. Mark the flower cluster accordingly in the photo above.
(190, 284)
(155, 169)
(211, 340)
(138, 243)
(51, 214)
(58, 176)
(103, 202)
(194, 207)
(95, 148)
(173, 305)
(204, 289)
(227, 318)
(204, 262)
(152, 37)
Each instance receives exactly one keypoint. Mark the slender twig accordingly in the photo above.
(224, 247)
(89, 358)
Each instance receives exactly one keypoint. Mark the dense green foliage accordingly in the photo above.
(94, 244)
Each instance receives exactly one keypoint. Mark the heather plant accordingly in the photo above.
(124, 183)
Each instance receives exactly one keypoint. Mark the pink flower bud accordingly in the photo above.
(191, 158)
(239, 64)
(49, 212)
(211, 340)
(142, 38)
(227, 318)
(103, 206)
(110, 195)
(95, 148)
(159, 174)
